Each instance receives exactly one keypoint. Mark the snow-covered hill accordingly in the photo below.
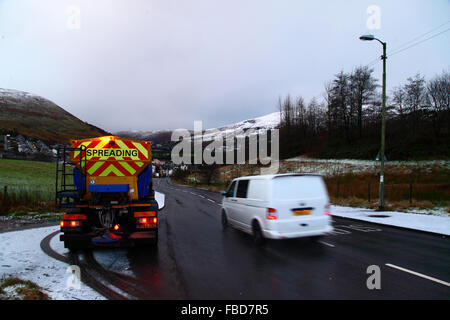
(35, 117)
(267, 122)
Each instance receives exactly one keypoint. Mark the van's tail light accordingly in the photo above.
(271, 214)
(327, 210)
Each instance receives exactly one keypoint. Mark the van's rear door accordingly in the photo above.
(298, 196)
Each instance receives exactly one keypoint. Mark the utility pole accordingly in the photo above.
(383, 118)
(383, 129)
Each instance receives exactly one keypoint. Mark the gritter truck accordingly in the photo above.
(105, 186)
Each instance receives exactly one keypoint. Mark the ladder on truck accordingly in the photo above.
(67, 194)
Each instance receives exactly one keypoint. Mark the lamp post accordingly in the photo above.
(383, 113)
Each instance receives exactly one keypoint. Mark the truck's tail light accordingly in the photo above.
(72, 220)
(271, 214)
(142, 220)
(75, 216)
(327, 210)
(140, 214)
(70, 224)
(146, 223)
(147, 220)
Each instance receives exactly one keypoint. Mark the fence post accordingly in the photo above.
(368, 193)
(410, 193)
(5, 191)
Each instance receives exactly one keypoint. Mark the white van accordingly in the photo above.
(278, 206)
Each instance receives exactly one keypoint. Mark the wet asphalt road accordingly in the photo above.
(196, 259)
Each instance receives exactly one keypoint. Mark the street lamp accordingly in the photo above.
(370, 37)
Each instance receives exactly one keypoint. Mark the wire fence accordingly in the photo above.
(13, 197)
(392, 192)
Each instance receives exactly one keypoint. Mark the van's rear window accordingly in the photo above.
(298, 187)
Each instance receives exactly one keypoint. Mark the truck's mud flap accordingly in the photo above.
(143, 235)
(108, 239)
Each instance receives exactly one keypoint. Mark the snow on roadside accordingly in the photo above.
(160, 198)
(416, 221)
(332, 167)
(442, 163)
(22, 257)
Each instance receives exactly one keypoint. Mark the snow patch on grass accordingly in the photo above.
(22, 257)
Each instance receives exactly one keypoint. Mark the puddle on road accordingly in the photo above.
(114, 259)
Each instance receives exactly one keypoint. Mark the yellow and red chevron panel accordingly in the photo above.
(111, 156)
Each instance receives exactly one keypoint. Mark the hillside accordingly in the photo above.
(38, 118)
(256, 125)
(266, 122)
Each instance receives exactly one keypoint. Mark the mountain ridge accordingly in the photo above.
(36, 117)
(265, 122)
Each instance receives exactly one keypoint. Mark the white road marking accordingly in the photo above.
(214, 202)
(339, 231)
(419, 274)
(201, 196)
(193, 193)
(327, 244)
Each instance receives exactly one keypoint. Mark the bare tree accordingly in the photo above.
(415, 98)
(398, 98)
(438, 90)
(362, 87)
(341, 102)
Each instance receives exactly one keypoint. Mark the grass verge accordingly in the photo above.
(26, 187)
(13, 288)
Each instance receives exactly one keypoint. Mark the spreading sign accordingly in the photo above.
(111, 156)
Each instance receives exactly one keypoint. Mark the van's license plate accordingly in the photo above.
(301, 212)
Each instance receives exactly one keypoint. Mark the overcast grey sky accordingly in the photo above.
(145, 65)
